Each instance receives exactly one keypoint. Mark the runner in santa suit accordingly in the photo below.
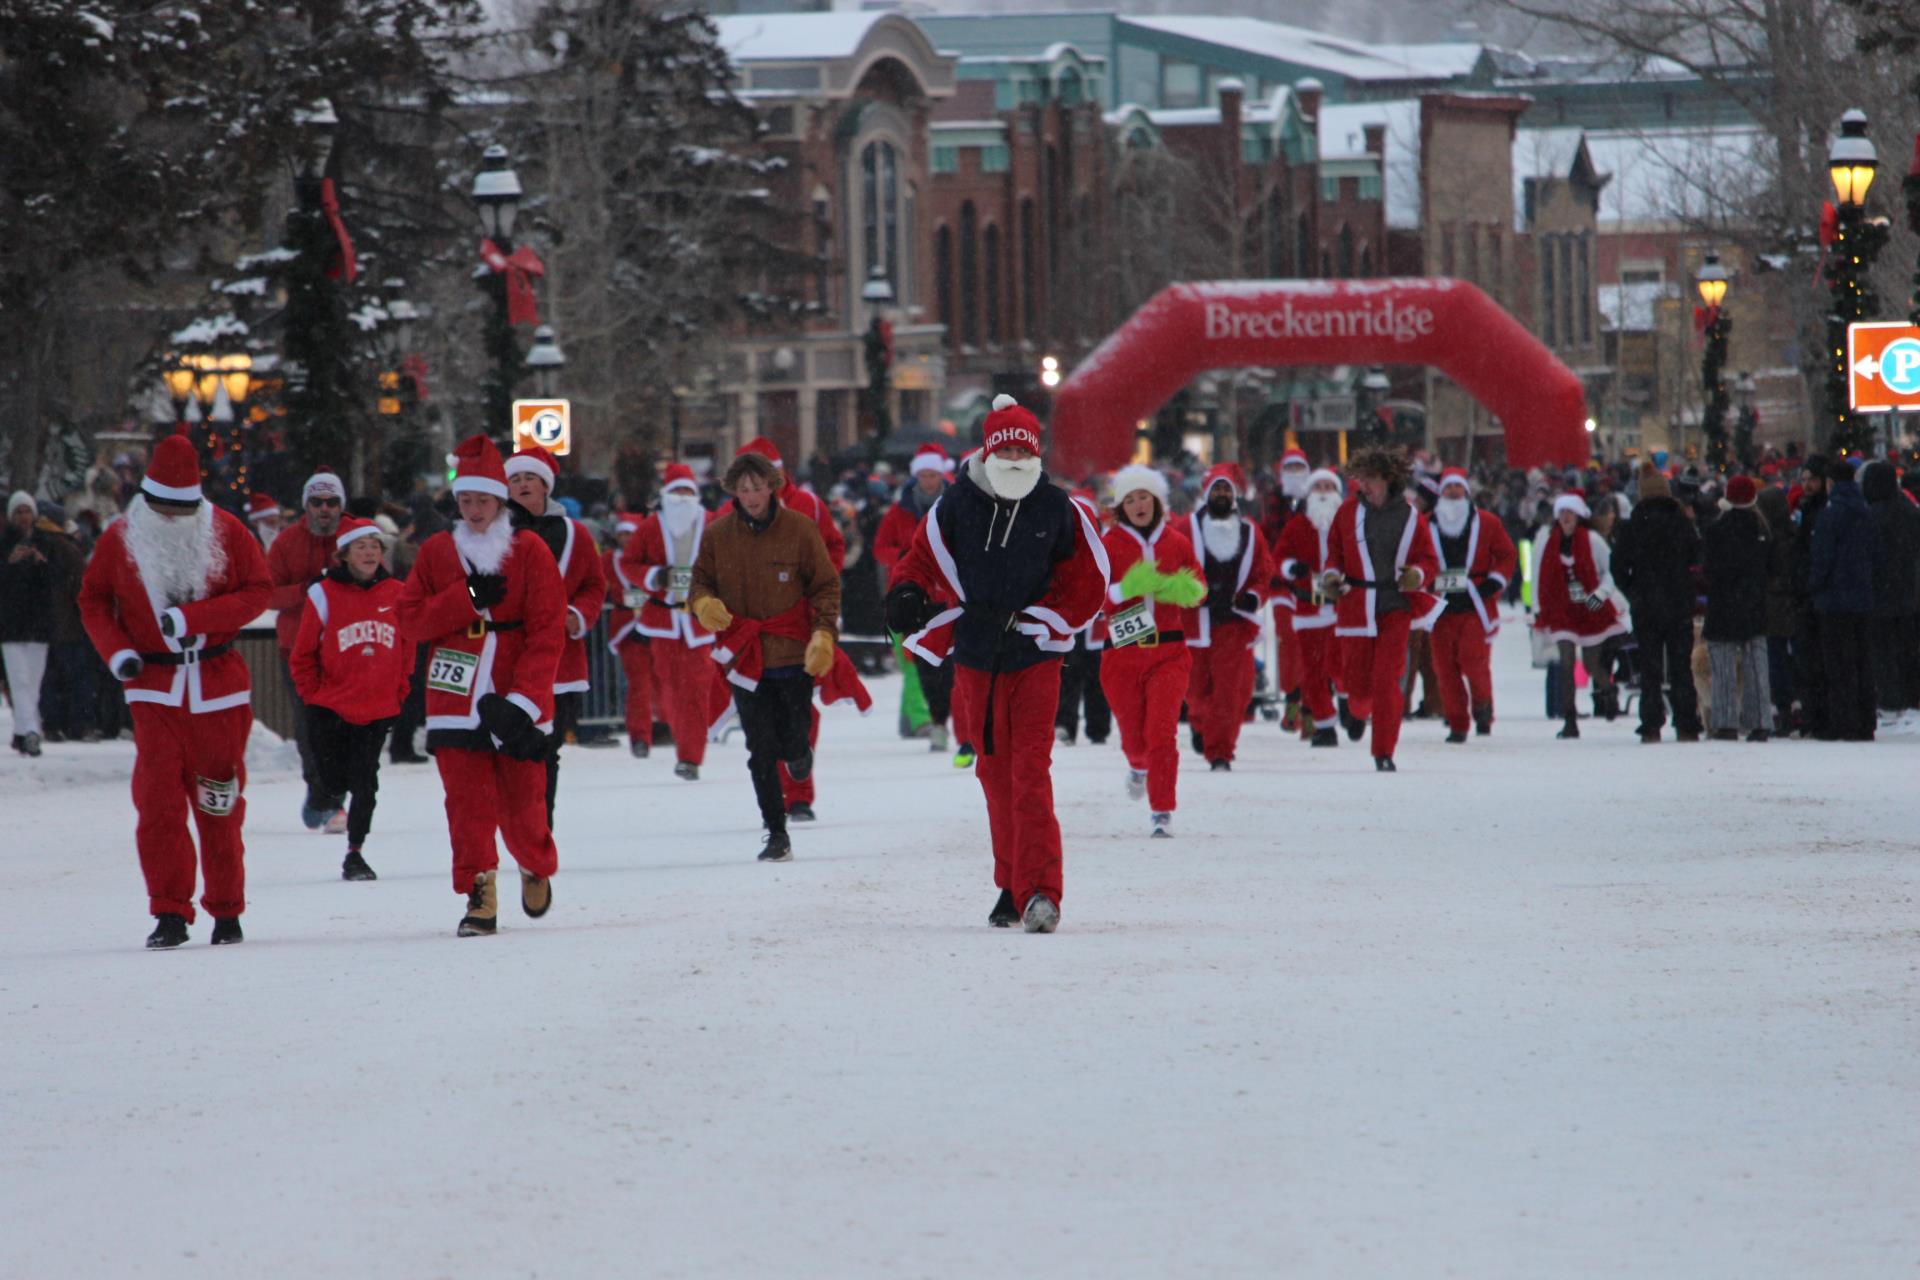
(531, 473)
(1080, 670)
(300, 557)
(1300, 555)
(1154, 585)
(1379, 560)
(263, 514)
(1028, 569)
(1580, 608)
(799, 792)
(634, 651)
(167, 590)
(1239, 572)
(892, 541)
(659, 561)
(487, 601)
(1477, 559)
(1281, 507)
(353, 668)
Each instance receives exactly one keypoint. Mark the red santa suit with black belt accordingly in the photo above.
(1280, 508)
(633, 650)
(659, 563)
(1238, 571)
(1299, 556)
(512, 649)
(191, 697)
(1145, 668)
(1373, 641)
(1476, 560)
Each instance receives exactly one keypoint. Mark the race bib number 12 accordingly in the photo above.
(452, 671)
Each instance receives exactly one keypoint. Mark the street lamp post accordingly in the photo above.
(496, 197)
(1747, 421)
(1373, 388)
(544, 361)
(1856, 240)
(877, 293)
(318, 345)
(1713, 281)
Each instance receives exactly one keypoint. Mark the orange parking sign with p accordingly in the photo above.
(547, 423)
(1883, 367)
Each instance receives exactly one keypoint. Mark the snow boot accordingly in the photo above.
(1324, 738)
(1136, 784)
(1483, 719)
(799, 811)
(1570, 730)
(690, 772)
(1456, 736)
(1041, 915)
(1686, 735)
(801, 769)
(336, 824)
(1063, 735)
(1352, 723)
(226, 932)
(1219, 766)
(1649, 736)
(963, 758)
(169, 930)
(355, 867)
(778, 848)
(1004, 914)
(937, 740)
(1162, 826)
(536, 895)
(483, 908)
(639, 749)
(1384, 764)
(1759, 735)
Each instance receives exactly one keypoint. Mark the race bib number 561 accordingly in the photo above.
(452, 671)
(1132, 625)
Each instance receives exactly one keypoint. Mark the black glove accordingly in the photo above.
(1489, 589)
(166, 623)
(486, 590)
(1247, 602)
(510, 723)
(907, 609)
(130, 667)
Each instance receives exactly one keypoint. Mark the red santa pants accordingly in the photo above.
(1017, 776)
(1463, 661)
(1374, 666)
(687, 679)
(1288, 650)
(1144, 687)
(636, 661)
(489, 792)
(1221, 684)
(184, 760)
(1316, 649)
(802, 792)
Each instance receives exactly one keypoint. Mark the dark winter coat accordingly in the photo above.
(26, 588)
(1808, 520)
(1841, 577)
(1896, 526)
(1738, 551)
(1655, 553)
(1784, 603)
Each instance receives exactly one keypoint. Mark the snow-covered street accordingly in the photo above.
(1526, 1008)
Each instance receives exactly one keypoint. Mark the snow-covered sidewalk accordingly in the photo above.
(1525, 1008)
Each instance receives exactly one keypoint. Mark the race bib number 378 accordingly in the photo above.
(452, 671)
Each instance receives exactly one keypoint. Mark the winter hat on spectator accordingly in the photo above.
(1741, 491)
(764, 447)
(1327, 473)
(680, 476)
(1455, 475)
(352, 527)
(323, 483)
(532, 460)
(1008, 425)
(261, 506)
(20, 498)
(1653, 483)
(1130, 478)
(928, 457)
(1230, 474)
(477, 468)
(174, 473)
(1572, 500)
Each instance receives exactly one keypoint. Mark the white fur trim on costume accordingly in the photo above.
(170, 493)
(480, 484)
(927, 460)
(526, 464)
(368, 530)
(679, 483)
(1571, 502)
(1324, 474)
(1130, 479)
(1005, 401)
(113, 663)
(526, 704)
(317, 594)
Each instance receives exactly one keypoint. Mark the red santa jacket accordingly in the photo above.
(895, 535)
(349, 655)
(297, 560)
(646, 565)
(1252, 571)
(810, 506)
(1169, 550)
(584, 583)
(620, 618)
(1490, 557)
(467, 655)
(1347, 552)
(1301, 554)
(122, 617)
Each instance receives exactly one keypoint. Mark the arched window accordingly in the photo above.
(1029, 273)
(1345, 246)
(943, 277)
(1566, 290)
(1366, 262)
(969, 277)
(880, 211)
(1303, 245)
(991, 243)
(1278, 259)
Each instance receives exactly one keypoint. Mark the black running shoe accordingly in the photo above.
(1325, 738)
(778, 848)
(169, 930)
(1004, 914)
(1220, 766)
(355, 867)
(226, 931)
(800, 811)
(1384, 764)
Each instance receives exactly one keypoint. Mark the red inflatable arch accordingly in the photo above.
(1188, 328)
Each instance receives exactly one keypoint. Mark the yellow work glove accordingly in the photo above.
(1410, 579)
(819, 658)
(712, 614)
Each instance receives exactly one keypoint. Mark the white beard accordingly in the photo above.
(1321, 509)
(679, 514)
(1451, 515)
(1013, 480)
(1221, 536)
(485, 552)
(1294, 483)
(178, 560)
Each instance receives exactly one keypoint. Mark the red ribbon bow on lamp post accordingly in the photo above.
(345, 267)
(520, 267)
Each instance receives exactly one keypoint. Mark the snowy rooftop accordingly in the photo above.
(1347, 58)
(1343, 133)
(1443, 61)
(793, 37)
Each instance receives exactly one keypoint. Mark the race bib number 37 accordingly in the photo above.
(452, 671)
(215, 797)
(1132, 624)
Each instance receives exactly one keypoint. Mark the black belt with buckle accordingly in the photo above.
(480, 626)
(186, 659)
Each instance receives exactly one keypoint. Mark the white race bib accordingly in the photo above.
(679, 581)
(452, 671)
(1576, 590)
(1451, 581)
(1132, 624)
(634, 598)
(216, 798)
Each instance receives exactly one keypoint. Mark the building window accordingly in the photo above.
(1303, 245)
(1179, 83)
(1277, 263)
(991, 243)
(1586, 287)
(1370, 187)
(1566, 290)
(880, 211)
(822, 248)
(1366, 261)
(946, 159)
(1329, 188)
(1470, 245)
(1029, 273)
(943, 277)
(1069, 91)
(996, 158)
(1254, 150)
(969, 277)
(1549, 332)
(1345, 244)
